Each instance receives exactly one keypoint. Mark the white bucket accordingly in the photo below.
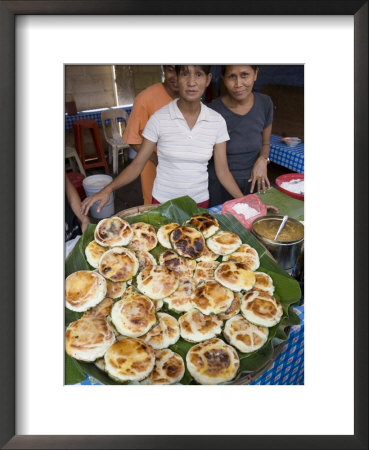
(94, 184)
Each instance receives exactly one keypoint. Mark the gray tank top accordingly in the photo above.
(244, 131)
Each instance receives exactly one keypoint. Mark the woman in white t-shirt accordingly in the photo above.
(187, 134)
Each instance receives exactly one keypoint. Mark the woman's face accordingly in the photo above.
(170, 78)
(192, 82)
(239, 81)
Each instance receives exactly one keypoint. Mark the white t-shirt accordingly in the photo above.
(184, 154)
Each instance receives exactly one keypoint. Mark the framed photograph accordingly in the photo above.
(36, 40)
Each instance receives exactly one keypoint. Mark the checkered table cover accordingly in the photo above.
(95, 115)
(288, 367)
(290, 157)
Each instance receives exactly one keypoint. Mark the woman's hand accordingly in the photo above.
(129, 174)
(272, 208)
(101, 197)
(259, 176)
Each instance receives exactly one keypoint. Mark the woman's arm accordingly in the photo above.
(153, 158)
(222, 171)
(259, 174)
(129, 174)
(75, 203)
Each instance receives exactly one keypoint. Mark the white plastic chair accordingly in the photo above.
(114, 138)
(70, 153)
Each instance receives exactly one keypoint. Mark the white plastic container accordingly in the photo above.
(94, 184)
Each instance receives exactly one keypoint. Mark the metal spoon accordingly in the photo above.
(284, 220)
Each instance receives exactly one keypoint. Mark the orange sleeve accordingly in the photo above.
(136, 123)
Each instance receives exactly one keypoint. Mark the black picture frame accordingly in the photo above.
(8, 11)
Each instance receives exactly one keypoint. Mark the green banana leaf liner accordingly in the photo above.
(287, 206)
(287, 291)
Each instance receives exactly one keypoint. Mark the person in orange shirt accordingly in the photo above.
(145, 104)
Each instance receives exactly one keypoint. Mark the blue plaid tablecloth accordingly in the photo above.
(288, 367)
(290, 157)
(95, 115)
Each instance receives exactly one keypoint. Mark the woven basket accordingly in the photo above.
(135, 211)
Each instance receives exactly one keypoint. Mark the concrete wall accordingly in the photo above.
(90, 86)
(144, 76)
(125, 85)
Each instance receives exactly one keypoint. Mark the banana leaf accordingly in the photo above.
(287, 206)
(287, 289)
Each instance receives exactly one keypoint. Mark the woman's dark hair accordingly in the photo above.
(254, 68)
(205, 69)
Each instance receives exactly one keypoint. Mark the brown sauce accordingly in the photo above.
(268, 229)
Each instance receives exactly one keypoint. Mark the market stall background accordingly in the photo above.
(89, 89)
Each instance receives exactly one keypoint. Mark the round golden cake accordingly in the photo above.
(84, 289)
(224, 242)
(210, 297)
(244, 335)
(157, 282)
(196, 326)
(260, 308)
(112, 232)
(118, 264)
(188, 242)
(133, 315)
(212, 362)
(129, 359)
(144, 237)
(206, 223)
(233, 276)
(88, 338)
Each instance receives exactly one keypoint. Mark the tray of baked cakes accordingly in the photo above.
(174, 294)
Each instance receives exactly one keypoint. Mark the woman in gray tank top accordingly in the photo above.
(249, 117)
